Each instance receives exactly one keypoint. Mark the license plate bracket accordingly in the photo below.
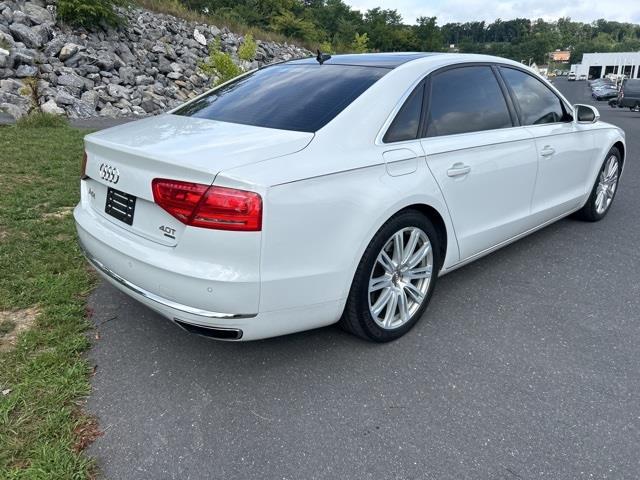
(120, 205)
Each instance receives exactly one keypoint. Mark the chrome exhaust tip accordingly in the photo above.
(217, 333)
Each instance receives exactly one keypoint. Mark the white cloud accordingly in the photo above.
(489, 10)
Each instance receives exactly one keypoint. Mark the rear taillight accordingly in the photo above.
(83, 166)
(180, 199)
(206, 206)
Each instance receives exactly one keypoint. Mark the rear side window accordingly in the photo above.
(405, 125)
(537, 103)
(466, 99)
(289, 97)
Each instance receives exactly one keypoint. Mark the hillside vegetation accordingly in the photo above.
(334, 26)
(337, 27)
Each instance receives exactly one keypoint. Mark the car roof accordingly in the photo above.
(380, 60)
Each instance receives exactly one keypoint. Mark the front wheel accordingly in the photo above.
(394, 280)
(604, 189)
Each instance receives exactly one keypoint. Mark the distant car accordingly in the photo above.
(582, 77)
(602, 88)
(605, 93)
(601, 81)
(571, 77)
(630, 95)
(339, 189)
(595, 86)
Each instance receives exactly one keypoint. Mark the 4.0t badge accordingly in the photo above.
(168, 231)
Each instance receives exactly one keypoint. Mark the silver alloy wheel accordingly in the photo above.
(400, 278)
(607, 184)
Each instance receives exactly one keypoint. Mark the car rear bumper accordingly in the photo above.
(130, 287)
(138, 268)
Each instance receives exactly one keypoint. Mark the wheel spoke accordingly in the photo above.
(386, 262)
(612, 168)
(599, 200)
(418, 273)
(609, 193)
(418, 255)
(382, 301)
(398, 248)
(403, 306)
(411, 245)
(379, 283)
(391, 309)
(413, 292)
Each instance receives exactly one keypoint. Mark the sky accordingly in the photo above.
(489, 10)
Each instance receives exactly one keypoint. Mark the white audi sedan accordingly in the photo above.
(336, 189)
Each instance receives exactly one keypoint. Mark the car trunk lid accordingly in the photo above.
(123, 161)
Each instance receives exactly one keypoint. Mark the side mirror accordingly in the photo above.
(585, 113)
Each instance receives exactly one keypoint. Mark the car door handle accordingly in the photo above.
(458, 169)
(547, 151)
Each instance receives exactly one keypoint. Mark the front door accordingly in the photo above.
(565, 149)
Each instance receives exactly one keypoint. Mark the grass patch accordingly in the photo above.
(43, 375)
(37, 119)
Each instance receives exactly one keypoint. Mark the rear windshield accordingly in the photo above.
(288, 97)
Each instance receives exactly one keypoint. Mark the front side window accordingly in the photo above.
(302, 97)
(538, 104)
(405, 125)
(466, 99)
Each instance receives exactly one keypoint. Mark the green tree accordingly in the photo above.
(383, 28)
(428, 34)
(247, 51)
(291, 26)
(219, 64)
(359, 44)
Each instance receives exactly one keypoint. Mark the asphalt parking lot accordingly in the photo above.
(526, 365)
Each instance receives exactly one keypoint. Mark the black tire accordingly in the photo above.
(357, 317)
(589, 212)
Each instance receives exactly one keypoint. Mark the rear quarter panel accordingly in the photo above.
(316, 230)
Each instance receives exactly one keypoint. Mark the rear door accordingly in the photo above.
(485, 165)
(565, 149)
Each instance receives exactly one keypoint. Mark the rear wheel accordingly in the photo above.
(604, 190)
(394, 280)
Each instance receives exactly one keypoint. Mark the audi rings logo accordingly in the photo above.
(109, 173)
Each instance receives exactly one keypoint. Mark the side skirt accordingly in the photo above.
(489, 250)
